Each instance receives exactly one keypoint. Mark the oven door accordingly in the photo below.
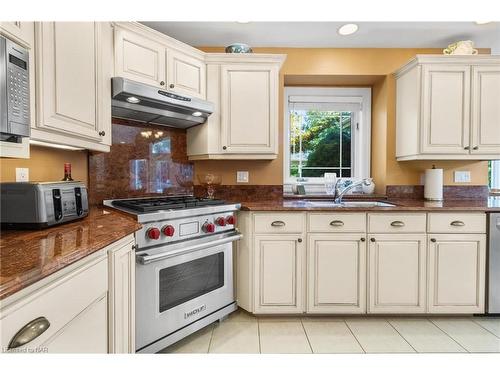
(178, 286)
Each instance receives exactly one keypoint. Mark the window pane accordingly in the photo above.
(320, 142)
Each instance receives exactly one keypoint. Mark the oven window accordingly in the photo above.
(185, 281)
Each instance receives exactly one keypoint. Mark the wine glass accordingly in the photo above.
(330, 180)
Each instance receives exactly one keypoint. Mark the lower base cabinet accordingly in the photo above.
(336, 281)
(457, 273)
(397, 273)
(279, 262)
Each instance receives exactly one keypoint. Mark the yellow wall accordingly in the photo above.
(46, 164)
(316, 65)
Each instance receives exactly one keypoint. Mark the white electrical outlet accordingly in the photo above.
(242, 176)
(22, 174)
(462, 176)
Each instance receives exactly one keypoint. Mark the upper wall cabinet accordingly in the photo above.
(73, 84)
(245, 91)
(147, 56)
(447, 108)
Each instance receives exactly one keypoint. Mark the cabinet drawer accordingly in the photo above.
(279, 223)
(397, 222)
(457, 222)
(337, 222)
(59, 302)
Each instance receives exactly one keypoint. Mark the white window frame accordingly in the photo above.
(495, 176)
(361, 128)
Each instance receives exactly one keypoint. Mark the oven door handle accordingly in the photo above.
(146, 259)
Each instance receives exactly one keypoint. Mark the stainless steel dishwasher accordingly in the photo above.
(493, 279)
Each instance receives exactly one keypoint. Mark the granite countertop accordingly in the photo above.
(27, 256)
(491, 204)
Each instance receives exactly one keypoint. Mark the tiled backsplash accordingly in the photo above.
(144, 160)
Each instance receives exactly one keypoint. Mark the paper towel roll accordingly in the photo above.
(433, 189)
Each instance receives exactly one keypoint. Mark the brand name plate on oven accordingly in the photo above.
(195, 311)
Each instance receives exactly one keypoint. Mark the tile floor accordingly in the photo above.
(244, 333)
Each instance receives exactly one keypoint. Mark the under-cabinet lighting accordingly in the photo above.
(348, 29)
(483, 22)
(55, 145)
(133, 100)
(197, 113)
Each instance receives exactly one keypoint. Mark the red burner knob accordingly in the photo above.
(153, 233)
(230, 220)
(220, 221)
(168, 230)
(209, 227)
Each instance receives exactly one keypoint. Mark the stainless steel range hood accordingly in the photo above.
(140, 102)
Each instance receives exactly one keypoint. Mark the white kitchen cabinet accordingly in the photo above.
(139, 58)
(244, 125)
(186, 74)
(72, 301)
(456, 273)
(73, 84)
(447, 108)
(485, 110)
(22, 32)
(336, 273)
(397, 269)
(279, 263)
(122, 296)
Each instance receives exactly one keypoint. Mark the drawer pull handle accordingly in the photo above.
(337, 223)
(398, 224)
(457, 223)
(29, 332)
(278, 223)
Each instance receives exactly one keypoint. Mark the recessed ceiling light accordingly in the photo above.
(197, 113)
(483, 22)
(133, 99)
(348, 29)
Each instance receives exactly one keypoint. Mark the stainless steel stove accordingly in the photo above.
(184, 265)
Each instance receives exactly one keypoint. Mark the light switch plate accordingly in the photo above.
(242, 176)
(22, 174)
(462, 176)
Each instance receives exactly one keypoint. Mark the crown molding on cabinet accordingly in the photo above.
(247, 58)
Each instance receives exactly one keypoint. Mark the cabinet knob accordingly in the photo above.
(162, 83)
(102, 133)
(224, 147)
(372, 239)
(433, 240)
(466, 148)
(171, 85)
(29, 332)
(363, 239)
(475, 147)
(299, 240)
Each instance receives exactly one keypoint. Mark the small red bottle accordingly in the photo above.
(67, 172)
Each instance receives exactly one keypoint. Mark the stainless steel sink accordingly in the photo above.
(345, 204)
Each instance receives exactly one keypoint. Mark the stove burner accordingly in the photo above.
(166, 203)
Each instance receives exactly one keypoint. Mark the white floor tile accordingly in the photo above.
(425, 337)
(198, 342)
(241, 315)
(235, 337)
(283, 337)
(491, 324)
(278, 318)
(377, 336)
(331, 337)
(470, 335)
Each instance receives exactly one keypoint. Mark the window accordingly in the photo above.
(494, 175)
(327, 130)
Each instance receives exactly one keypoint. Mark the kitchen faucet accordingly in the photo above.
(339, 194)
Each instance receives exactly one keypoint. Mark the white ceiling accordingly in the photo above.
(324, 34)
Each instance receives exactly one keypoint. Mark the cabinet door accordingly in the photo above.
(336, 277)
(186, 74)
(87, 333)
(122, 299)
(446, 105)
(397, 265)
(485, 110)
(249, 109)
(279, 262)
(139, 58)
(456, 273)
(23, 31)
(72, 78)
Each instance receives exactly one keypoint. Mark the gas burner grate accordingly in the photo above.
(166, 203)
